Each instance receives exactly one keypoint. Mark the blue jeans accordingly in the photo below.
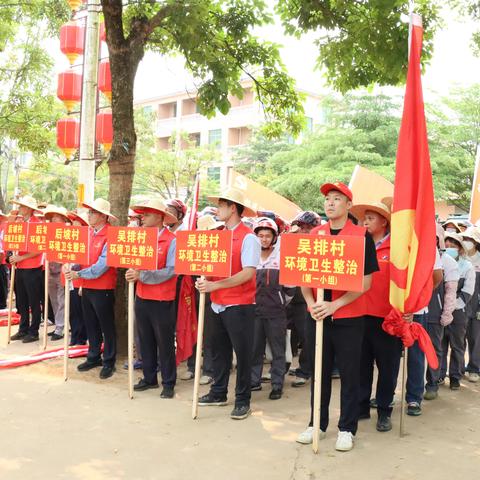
(416, 367)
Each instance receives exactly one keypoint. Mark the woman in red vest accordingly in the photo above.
(155, 304)
(378, 346)
(342, 314)
(233, 304)
(98, 287)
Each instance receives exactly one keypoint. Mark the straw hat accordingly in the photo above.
(207, 222)
(471, 232)
(377, 207)
(235, 196)
(102, 206)
(158, 206)
(80, 217)
(455, 236)
(27, 201)
(52, 210)
(454, 223)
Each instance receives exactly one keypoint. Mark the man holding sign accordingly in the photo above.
(343, 315)
(233, 300)
(155, 304)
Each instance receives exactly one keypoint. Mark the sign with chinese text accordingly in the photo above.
(333, 262)
(37, 237)
(67, 244)
(132, 247)
(203, 252)
(15, 237)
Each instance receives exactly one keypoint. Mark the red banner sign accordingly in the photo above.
(67, 244)
(204, 253)
(132, 247)
(15, 237)
(334, 262)
(37, 237)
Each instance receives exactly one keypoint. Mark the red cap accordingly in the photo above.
(339, 186)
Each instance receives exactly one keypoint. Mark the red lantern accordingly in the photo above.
(69, 89)
(105, 78)
(72, 39)
(104, 130)
(68, 135)
(103, 33)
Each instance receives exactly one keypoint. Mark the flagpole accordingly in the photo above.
(404, 383)
(45, 307)
(198, 353)
(131, 313)
(317, 385)
(66, 329)
(10, 302)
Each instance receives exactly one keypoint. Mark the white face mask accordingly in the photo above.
(451, 230)
(468, 245)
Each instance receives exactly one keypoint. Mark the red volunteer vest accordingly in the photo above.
(165, 291)
(377, 297)
(358, 307)
(2, 232)
(243, 294)
(34, 262)
(108, 280)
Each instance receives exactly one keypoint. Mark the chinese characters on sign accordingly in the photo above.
(67, 244)
(333, 262)
(206, 253)
(37, 237)
(132, 247)
(15, 236)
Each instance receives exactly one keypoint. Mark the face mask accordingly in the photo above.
(451, 230)
(453, 252)
(468, 245)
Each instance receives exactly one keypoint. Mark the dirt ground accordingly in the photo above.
(88, 429)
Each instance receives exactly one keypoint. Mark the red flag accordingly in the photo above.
(413, 241)
(192, 220)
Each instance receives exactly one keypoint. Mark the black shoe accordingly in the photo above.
(241, 412)
(275, 394)
(210, 400)
(106, 372)
(364, 416)
(414, 409)
(143, 385)
(256, 388)
(454, 383)
(19, 336)
(384, 424)
(167, 392)
(373, 403)
(30, 338)
(49, 334)
(55, 337)
(88, 365)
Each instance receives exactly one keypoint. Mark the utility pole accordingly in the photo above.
(86, 171)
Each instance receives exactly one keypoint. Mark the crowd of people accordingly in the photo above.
(250, 316)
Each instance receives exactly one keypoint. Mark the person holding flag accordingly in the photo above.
(155, 304)
(233, 303)
(342, 314)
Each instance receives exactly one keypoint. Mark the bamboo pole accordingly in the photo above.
(66, 329)
(10, 303)
(317, 386)
(131, 319)
(45, 308)
(198, 356)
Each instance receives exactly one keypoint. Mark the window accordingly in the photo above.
(308, 124)
(215, 138)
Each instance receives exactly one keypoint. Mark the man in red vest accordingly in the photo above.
(233, 304)
(98, 287)
(155, 304)
(343, 316)
(28, 279)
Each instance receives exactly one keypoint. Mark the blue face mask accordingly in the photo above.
(453, 252)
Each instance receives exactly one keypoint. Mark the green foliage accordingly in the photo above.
(360, 43)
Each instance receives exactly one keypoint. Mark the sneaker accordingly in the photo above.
(430, 395)
(56, 336)
(473, 377)
(275, 394)
(205, 380)
(210, 400)
(142, 385)
(19, 336)
(454, 384)
(373, 403)
(292, 372)
(266, 378)
(306, 437)
(299, 382)
(188, 375)
(344, 441)
(240, 412)
(106, 372)
(137, 365)
(30, 338)
(384, 423)
(167, 392)
(441, 381)
(414, 409)
(256, 388)
(88, 365)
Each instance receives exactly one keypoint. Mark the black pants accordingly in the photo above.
(98, 313)
(385, 350)
(156, 329)
(436, 332)
(3, 286)
(233, 328)
(297, 316)
(77, 324)
(342, 344)
(29, 292)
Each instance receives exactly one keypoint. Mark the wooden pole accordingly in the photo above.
(131, 319)
(66, 329)
(198, 356)
(45, 308)
(10, 303)
(404, 385)
(317, 386)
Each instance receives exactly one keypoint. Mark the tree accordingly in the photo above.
(361, 43)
